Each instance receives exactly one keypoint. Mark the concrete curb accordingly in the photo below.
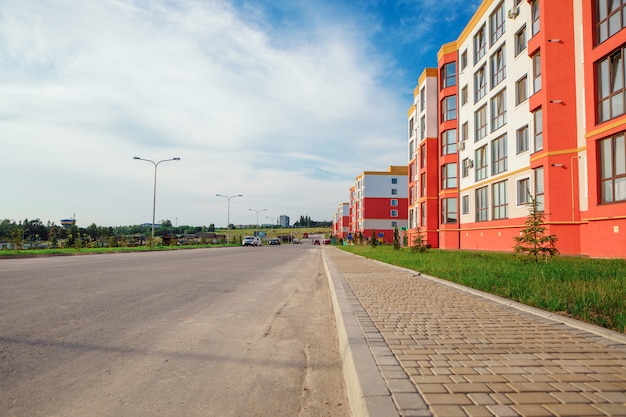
(367, 391)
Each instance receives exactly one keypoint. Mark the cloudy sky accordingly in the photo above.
(283, 101)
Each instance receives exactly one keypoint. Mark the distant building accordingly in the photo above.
(341, 221)
(67, 223)
(284, 221)
(379, 203)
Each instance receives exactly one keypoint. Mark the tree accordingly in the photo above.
(396, 238)
(532, 240)
(373, 239)
(419, 244)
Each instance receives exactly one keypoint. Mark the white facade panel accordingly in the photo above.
(382, 186)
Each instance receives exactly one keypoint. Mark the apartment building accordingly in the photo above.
(530, 104)
(341, 221)
(423, 147)
(379, 203)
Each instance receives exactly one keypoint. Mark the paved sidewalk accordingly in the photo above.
(413, 345)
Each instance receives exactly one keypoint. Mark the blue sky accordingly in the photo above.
(285, 102)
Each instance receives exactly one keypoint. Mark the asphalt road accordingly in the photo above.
(203, 332)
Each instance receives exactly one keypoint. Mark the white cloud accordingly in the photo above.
(287, 122)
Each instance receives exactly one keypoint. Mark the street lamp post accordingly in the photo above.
(257, 215)
(156, 164)
(228, 198)
(274, 218)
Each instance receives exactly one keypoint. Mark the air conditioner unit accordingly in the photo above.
(462, 145)
(469, 163)
(512, 14)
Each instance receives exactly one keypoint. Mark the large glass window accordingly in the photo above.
(480, 45)
(496, 24)
(423, 184)
(482, 204)
(521, 90)
(422, 127)
(610, 18)
(448, 108)
(465, 204)
(448, 75)
(422, 214)
(448, 210)
(422, 99)
(498, 110)
(481, 163)
(498, 67)
(523, 191)
(500, 200)
(448, 142)
(613, 169)
(539, 189)
(521, 140)
(480, 83)
(498, 155)
(611, 92)
(448, 176)
(536, 72)
(520, 41)
(535, 16)
(480, 123)
(538, 127)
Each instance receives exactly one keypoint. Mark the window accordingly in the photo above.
(480, 122)
(448, 75)
(480, 45)
(498, 110)
(482, 204)
(480, 83)
(448, 142)
(534, 15)
(448, 108)
(423, 156)
(520, 41)
(500, 201)
(411, 127)
(394, 180)
(423, 184)
(422, 127)
(523, 191)
(610, 18)
(448, 210)
(394, 225)
(496, 24)
(393, 202)
(465, 168)
(613, 169)
(538, 126)
(521, 91)
(464, 131)
(611, 92)
(448, 176)
(539, 189)
(422, 99)
(498, 67)
(422, 214)
(481, 163)
(394, 191)
(521, 140)
(463, 95)
(498, 155)
(393, 213)
(465, 204)
(463, 59)
(536, 72)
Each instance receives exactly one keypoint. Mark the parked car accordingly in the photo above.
(251, 241)
(295, 241)
(274, 242)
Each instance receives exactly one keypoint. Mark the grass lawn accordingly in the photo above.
(590, 290)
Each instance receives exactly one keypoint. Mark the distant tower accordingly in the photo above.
(67, 223)
(284, 221)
